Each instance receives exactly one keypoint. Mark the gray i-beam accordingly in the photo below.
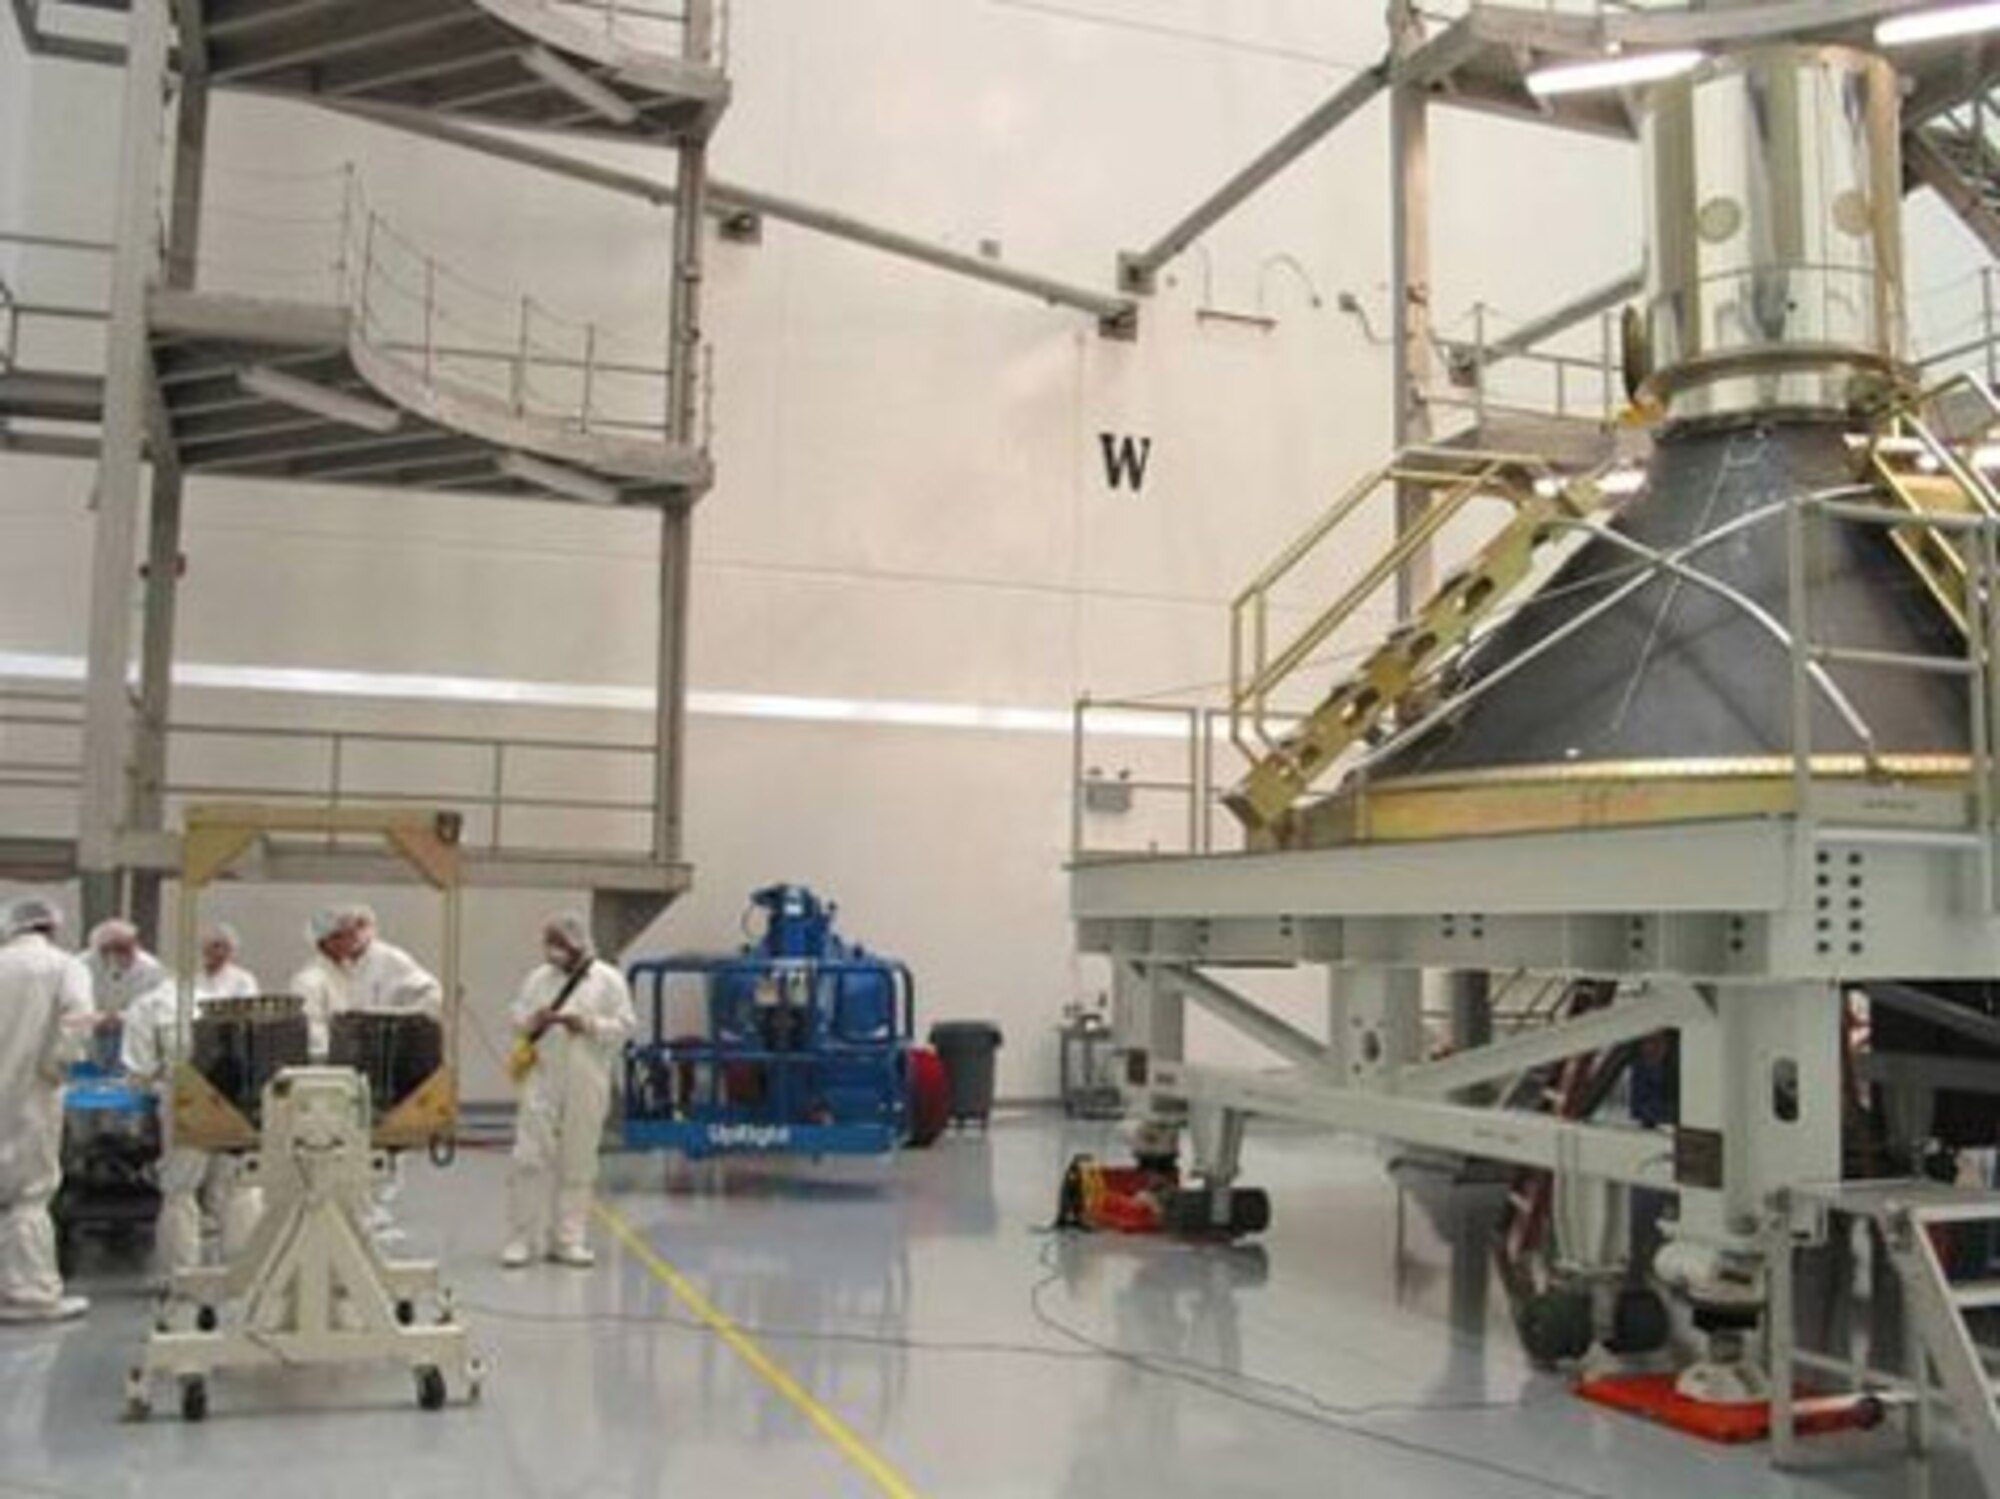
(1116, 316)
(1557, 320)
(1410, 292)
(160, 610)
(1139, 271)
(107, 731)
(684, 429)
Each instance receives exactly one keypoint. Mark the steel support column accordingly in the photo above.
(107, 738)
(164, 527)
(1764, 1076)
(683, 428)
(1410, 291)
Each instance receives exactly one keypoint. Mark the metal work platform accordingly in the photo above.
(396, 371)
(213, 354)
(598, 67)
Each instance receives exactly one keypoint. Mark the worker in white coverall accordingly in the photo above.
(120, 969)
(575, 1011)
(193, 1183)
(323, 983)
(220, 975)
(45, 1017)
(354, 970)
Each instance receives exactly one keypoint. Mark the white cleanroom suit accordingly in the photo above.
(45, 1019)
(192, 1182)
(564, 1099)
(382, 979)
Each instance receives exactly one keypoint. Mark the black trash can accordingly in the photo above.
(969, 1050)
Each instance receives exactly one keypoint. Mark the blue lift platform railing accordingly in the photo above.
(804, 1055)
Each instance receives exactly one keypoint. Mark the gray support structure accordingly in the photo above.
(1138, 272)
(1116, 316)
(161, 606)
(1593, 303)
(1410, 291)
(108, 737)
(683, 427)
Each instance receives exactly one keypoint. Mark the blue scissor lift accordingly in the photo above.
(807, 1050)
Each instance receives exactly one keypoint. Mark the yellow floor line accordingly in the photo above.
(876, 1468)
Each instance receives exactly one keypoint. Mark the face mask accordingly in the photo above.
(559, 957)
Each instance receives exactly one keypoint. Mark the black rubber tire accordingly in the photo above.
(406, 1313)
(1187, 1212)
(205, 1319)
(1556, 1327)
(194, 1399)
(1640, 1322)
(430, 1388)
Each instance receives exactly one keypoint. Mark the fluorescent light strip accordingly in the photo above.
(500, 692)
(1611, 73)
(1937, 25)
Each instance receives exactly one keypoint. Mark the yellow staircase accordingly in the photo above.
(1927, 466)
(1290, 755)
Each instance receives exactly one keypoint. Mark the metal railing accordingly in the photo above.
(455, 332)
(34, 326)
(646, 27)
(1498, 378)
(1451, 481)
(1106, 731)
(409, 305)
(495, 787)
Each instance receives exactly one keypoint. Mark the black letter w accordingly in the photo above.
(1125, 460)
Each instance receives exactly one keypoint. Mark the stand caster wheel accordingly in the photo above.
(475, 1380)
(138, 1400)
(406, 1313)
(194, 1399)
(205, 1319)
(1640, 1322)
(1556, 1327)
(430, 1388)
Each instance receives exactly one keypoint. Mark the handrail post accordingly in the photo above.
(1979, 645)
(1479, 369)
(338, 744)
(499, 789)
(589, 372)
(521, 360)
(1077, 715)
(1605, 344)
(341, 266)
(707, 397)
(1194, 780)
(430, 318)
(367, 269)
(1992, 334)
(1799, 609)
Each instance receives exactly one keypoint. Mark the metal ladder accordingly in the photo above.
(1285, 767)
(1927, 473)
(1938, 1307)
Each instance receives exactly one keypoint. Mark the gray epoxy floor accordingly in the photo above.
(904, 1297)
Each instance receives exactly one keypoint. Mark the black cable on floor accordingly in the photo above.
(1218, 1381)
(1230, 1384)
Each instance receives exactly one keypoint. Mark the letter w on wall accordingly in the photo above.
(1125, 460)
